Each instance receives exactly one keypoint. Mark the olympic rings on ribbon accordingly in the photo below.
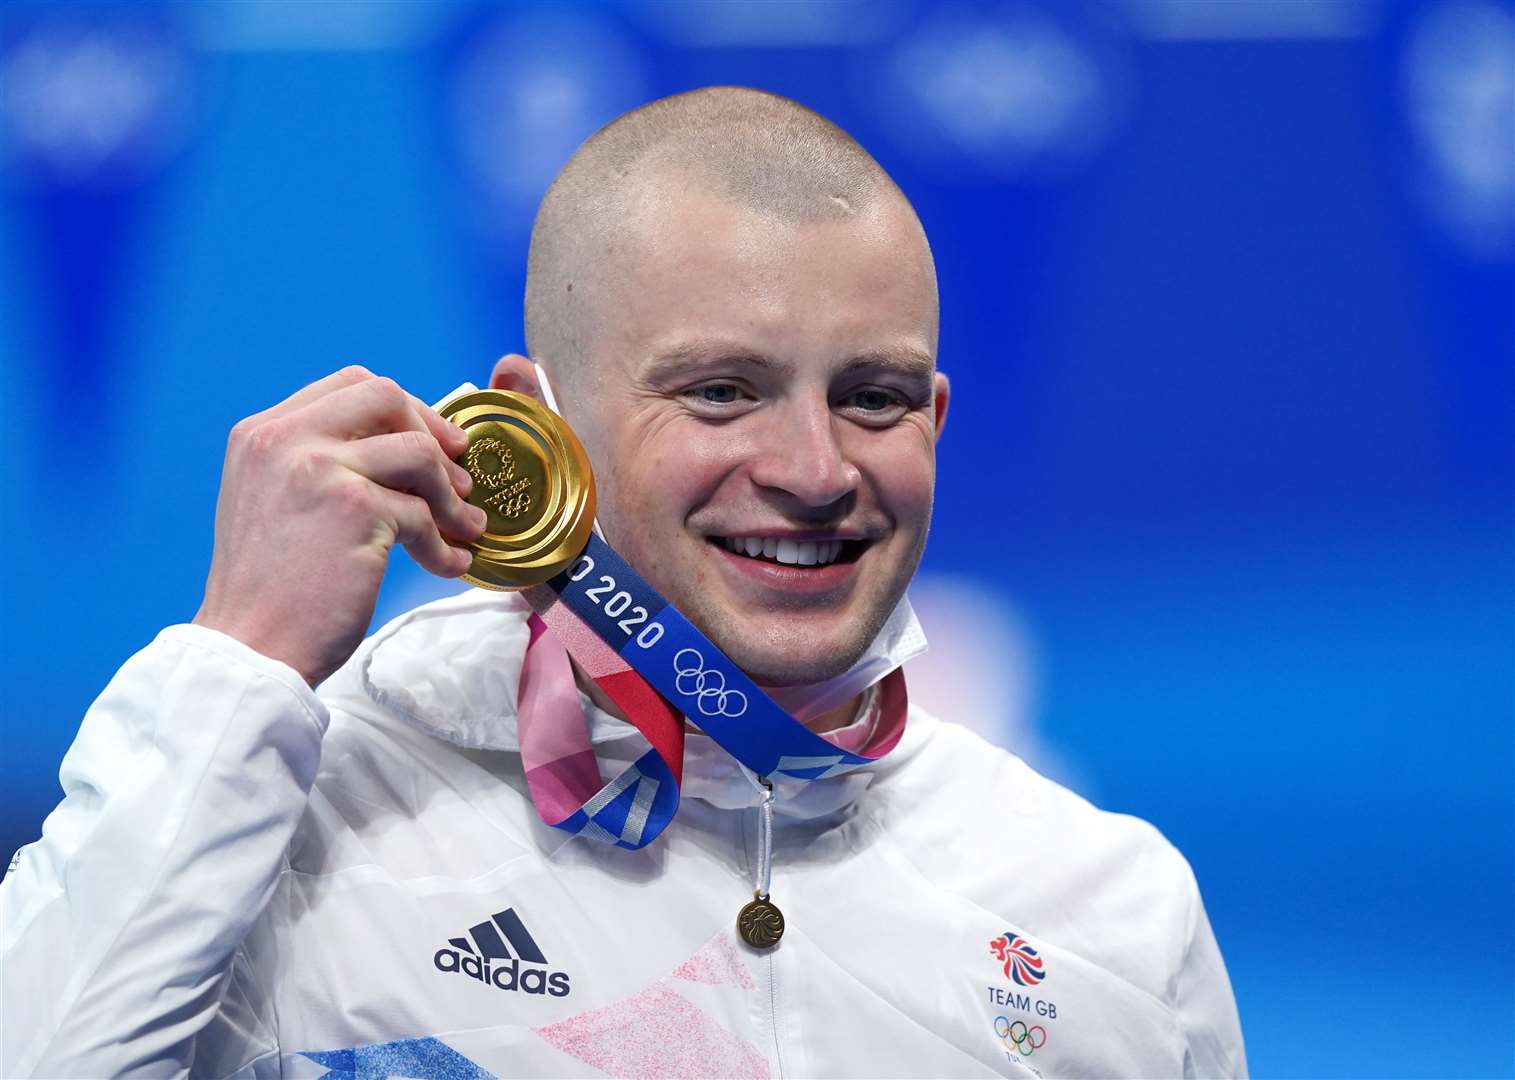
(707, 687)
(1026, 1040)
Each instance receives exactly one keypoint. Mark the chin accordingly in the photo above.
(794, 674)
(793, 660)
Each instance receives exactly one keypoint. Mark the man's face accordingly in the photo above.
(760, 405)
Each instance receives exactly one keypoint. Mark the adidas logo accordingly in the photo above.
(500, 945)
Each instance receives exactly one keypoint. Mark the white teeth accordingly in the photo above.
(789, 552)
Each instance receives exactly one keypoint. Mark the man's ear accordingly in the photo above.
(515, 372)
(941, 392)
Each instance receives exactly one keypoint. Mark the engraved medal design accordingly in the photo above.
(760, 922)
(532, 477)
(492, 465)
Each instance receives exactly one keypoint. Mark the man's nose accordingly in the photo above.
(803, 456)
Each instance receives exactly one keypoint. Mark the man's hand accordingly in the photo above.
(314, 493)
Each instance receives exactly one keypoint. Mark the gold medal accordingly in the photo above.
(532, 477)
(760, 922)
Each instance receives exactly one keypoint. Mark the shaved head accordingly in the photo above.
(758, 151)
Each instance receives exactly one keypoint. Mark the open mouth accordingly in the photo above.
(786, 552)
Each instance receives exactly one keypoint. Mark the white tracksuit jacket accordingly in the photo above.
(249, 879)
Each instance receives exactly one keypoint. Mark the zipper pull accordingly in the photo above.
(760, 923)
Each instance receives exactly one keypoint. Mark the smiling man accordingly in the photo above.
(740, 307)
(421, 869)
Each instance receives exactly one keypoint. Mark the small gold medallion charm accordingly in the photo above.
(760, 922)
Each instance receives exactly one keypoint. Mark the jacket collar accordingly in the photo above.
(451, 669)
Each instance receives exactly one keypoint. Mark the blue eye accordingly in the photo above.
(719, 393)
(874, 400)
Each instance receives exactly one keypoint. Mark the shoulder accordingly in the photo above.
(983, 824)
(978, 786)
(422, 738)
(448, 669)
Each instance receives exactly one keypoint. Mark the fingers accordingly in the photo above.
(401, 447)
(377, 406)
(411, 461)
(415, 528)
(384, 394)
(369, 398)
(449, 436)
(337, 380)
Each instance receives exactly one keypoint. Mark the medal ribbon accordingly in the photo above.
(644, 654)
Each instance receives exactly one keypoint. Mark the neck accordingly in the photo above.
(830, 720)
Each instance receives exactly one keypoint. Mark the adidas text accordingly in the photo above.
(504, 976)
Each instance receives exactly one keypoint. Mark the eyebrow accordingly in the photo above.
(692, 356)
(902, 359)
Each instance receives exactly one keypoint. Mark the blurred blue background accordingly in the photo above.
(1229, 305)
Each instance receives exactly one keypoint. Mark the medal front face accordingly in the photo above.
(760, 923)
(509, 471)
(532, 478)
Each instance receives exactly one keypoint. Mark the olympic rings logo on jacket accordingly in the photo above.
(1025, 1040)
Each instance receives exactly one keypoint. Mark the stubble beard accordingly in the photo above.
(776, 651)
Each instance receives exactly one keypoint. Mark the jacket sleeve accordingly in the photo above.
(119, 927)
(1205, 1004)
